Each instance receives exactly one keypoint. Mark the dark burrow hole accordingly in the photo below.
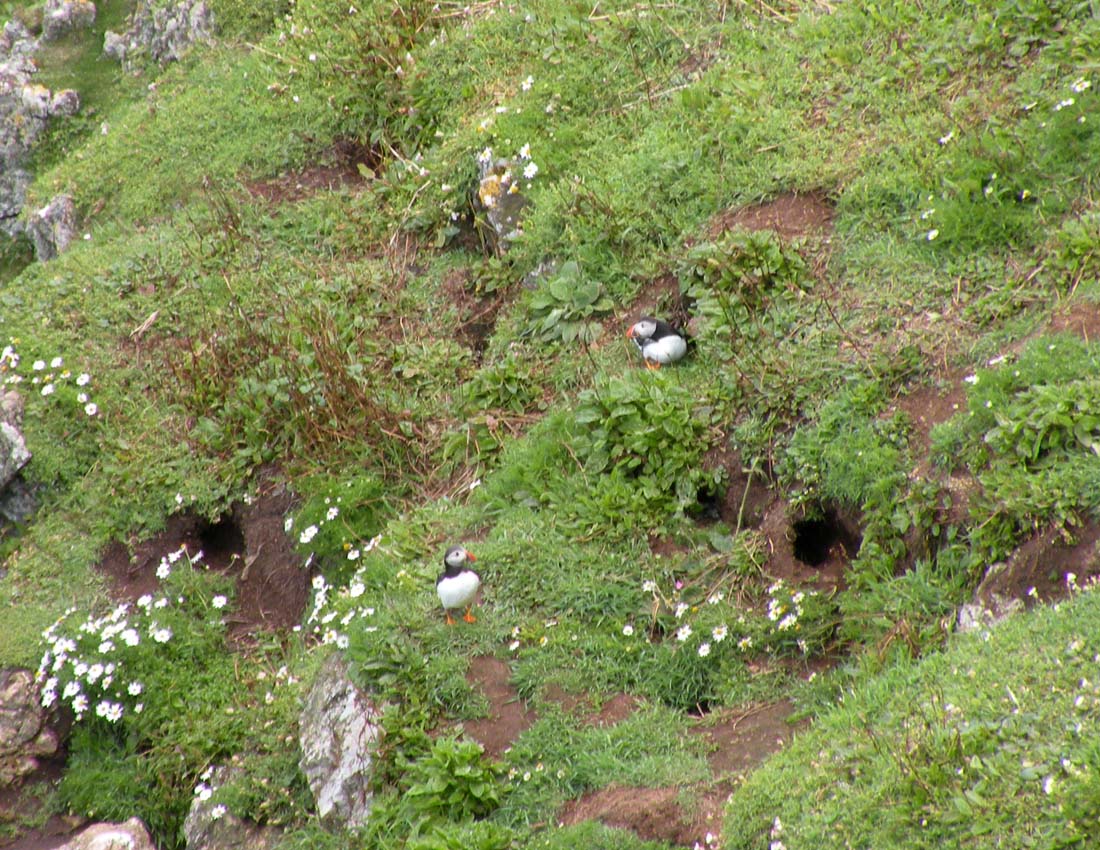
(816, 539)
(221, 542)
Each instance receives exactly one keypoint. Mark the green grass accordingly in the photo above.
(366, 343)
(991, 743)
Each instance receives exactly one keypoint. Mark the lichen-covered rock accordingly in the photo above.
(25, 736)
(26, 107)
(209, 825)
(499, 195)
(62, 16)
(53, 227)
(16, 41)
(65, 102)
(131, 835)
(162, 33)
(338, 730)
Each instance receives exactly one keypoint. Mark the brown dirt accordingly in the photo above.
(508, 714)
(739, 741)
(249, 542)
(1081, 318)
(24, 803)
(336, 169)
(805, 551)
(742, 738)
(1042, 563)
(790, 215)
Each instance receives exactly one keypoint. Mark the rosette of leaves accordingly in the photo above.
(737, 279)
(566, 306)
(651, 431)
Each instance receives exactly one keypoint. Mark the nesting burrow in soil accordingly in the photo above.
(335, 169)
(249, 542)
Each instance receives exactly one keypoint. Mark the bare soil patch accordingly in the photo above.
(508, 714)
(1081, 318)
(683, 815)
(335, 169)
(249, 543)
(791, 215)
(24, 802)
(743, 737)
(1042, 563)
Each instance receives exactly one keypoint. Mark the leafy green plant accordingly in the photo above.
(453, 782)
(566, 305)
(506, 383)
(736, 279)
(650, 430)
(1044, 419)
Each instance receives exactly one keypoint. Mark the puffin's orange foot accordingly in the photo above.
(469, 618)
(450, 619)
(652, 365)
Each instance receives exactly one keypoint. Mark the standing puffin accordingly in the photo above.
(658, 341)
(458, 584)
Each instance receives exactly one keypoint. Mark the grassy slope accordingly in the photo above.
(307, 335)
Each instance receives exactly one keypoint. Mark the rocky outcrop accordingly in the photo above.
(25, 110)
(63, 16)
(25, 734)
(338, 730)
(160, 32)
(209, 825)
(15, 499)
(53, 227)
(131, 835)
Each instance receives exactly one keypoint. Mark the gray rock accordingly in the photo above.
(65, 102)
(62, 16)
(161, 32)
(983, 615)
(53, 227)
(210, 826)
(499, 195)
(13, 453)
(16, 41)
(25, 736)
(338, 730)
(114, 46)
(131, 835)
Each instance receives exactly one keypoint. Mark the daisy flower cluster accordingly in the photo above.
(325, 620)
(309, 531)
(46, 378)
(101, 665)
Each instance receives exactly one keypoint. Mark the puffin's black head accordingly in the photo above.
(456, 559)
(643, 329)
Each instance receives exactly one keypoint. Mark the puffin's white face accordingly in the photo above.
(643, 329)
(456, 556)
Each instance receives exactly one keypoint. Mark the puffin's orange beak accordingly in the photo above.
(630, 333)
(470, 555)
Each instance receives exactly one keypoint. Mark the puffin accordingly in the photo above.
(457, 585)
(658, 341)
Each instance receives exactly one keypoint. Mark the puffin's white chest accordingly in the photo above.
(667, 349)
(458, 591)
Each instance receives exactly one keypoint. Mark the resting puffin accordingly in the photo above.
(658, 341)
(457, 585)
